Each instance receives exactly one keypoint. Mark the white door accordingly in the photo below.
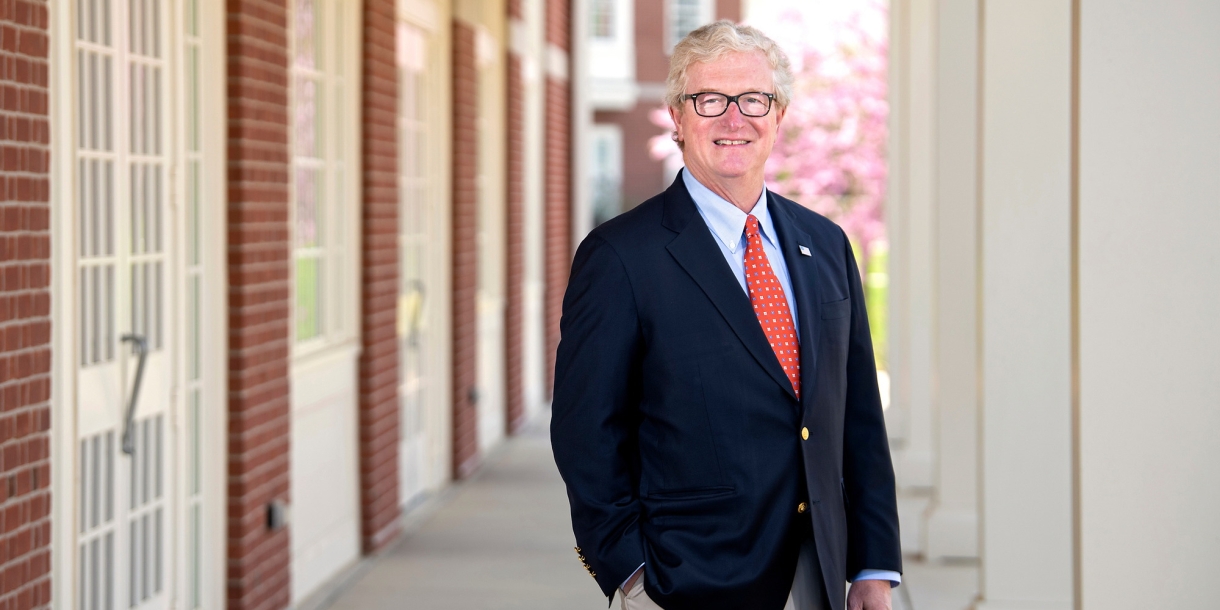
(414, 243)
(123, 298)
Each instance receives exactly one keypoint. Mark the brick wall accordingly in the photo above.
(25, 308)
(728, 9)
(465, 250)
(259, 291)
(651, 50)
(515, 242)
(379, 423)
(558, 189)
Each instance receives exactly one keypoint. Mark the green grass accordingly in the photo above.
(876, 299)
(308, 325)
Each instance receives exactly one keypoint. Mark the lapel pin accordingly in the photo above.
(805, 251)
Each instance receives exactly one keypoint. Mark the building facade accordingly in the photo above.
(273, 272)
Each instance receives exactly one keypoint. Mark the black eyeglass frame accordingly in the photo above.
(730, 99)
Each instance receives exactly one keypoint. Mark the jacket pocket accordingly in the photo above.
(835, 309)
(695, 493)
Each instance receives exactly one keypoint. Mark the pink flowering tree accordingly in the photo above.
(830, 155)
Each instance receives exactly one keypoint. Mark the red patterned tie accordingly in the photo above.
(771, 306)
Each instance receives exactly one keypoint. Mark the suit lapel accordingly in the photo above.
(802, 270)
(698, 254)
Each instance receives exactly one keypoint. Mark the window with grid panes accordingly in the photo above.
(319, 166)
(686, 16)
(601, 15)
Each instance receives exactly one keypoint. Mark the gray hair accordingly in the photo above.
(713, 41)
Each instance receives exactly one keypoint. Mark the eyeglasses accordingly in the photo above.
(752, 104)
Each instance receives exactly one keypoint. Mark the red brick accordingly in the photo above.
(258, 265)
(25, 324)
(515, 245)
(465, 250)
(379, 282)
(557, 249)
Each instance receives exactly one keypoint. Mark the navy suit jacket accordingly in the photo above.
(678, 434)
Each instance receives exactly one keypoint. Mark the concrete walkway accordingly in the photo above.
(503, 540)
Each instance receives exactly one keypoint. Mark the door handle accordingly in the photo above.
(418, 291)
(141, 346)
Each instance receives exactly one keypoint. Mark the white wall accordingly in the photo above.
(325, 524)
(611, 62)
(1149, 290)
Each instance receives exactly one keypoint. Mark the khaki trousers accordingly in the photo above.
(807, 587)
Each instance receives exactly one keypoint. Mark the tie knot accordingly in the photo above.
(751, 226)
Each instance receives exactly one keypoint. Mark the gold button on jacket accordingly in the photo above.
(804, 434)
(802, 507)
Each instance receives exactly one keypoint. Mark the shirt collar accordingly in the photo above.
(727, 221)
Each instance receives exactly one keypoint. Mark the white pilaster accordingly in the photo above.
(1148, 290)
(1027, 559)
(911, 246)
(911, 232)
(951, 529)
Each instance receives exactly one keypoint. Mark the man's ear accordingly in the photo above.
(676, 116)
(779, 117)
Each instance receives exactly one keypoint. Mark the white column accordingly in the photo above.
(911, 227)
(910, 239)
(1026, 453)
(1148, 296)
(952, 519)
(582, 122)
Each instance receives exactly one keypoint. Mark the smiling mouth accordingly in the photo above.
(730, 142)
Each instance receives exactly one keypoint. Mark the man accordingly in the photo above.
(716, 416)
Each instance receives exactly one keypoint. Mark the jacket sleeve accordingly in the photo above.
(595, 414)
(868, 474)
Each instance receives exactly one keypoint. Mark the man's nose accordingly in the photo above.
(732, 115)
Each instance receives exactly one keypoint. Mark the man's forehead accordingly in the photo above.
(734, 70)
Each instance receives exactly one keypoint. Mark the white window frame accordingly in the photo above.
(338, 162)
(607, 138)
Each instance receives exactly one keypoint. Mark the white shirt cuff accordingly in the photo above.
(624, 585)
(894, 577)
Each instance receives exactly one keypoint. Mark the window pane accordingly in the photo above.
(307, 117)
(192, 98)
(306, 34)
(309, 305)
(309, 218)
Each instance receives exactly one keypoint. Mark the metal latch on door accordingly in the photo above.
(141, 347)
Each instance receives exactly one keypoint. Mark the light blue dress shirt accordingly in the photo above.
(728, 224)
